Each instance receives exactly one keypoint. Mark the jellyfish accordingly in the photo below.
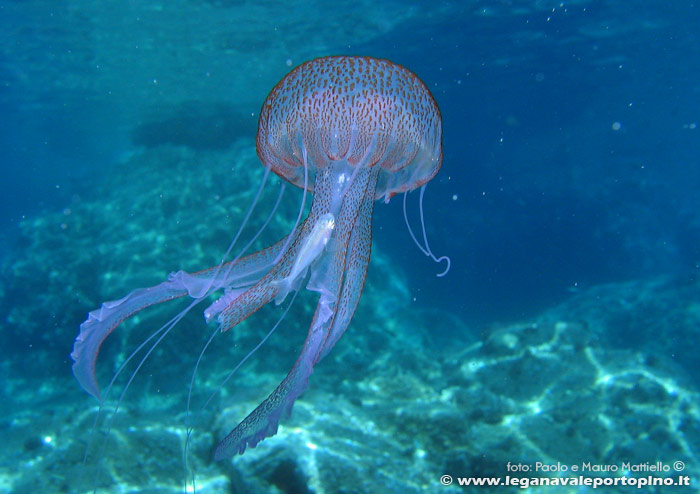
(350, 131)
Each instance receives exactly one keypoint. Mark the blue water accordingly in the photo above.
(567, 202)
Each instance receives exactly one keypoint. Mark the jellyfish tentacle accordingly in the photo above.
(425, 249)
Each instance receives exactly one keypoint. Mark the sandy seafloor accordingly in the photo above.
(602, 374)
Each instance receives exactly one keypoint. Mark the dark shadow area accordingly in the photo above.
(288, 478)
(195, 124)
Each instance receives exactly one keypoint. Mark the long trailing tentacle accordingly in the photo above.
(328, 280)
(424, 249)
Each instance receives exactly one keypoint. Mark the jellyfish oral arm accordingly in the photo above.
(338, 275)
(264, 420)
(356, 264)
(230, 294)
(101, 322)
(311, 249)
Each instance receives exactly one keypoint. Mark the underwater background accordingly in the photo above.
(567, 330)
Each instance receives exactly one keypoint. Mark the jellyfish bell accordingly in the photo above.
(353, 111)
